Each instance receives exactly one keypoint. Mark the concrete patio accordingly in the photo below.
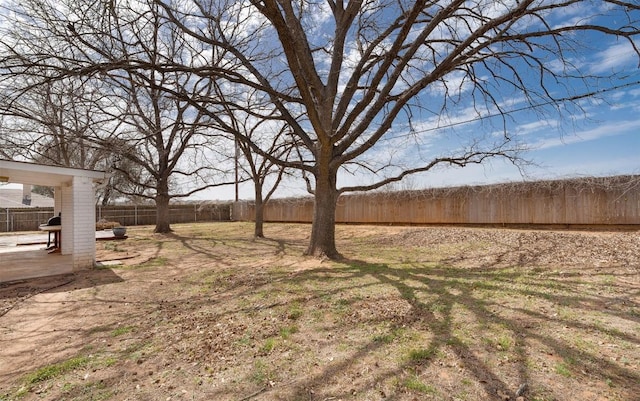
(74, 203)
(24, 255)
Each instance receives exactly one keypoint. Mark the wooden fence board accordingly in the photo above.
(592, 201)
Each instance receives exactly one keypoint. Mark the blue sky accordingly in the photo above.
(606, 141)
(603, 138)
(600, 138)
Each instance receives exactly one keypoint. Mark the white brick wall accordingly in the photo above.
(66, 199)
(84, 224)
(78, 222)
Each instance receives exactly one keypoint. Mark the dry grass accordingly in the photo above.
(209, 313)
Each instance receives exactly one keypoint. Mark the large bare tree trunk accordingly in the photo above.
(162, 208)
(323, 229)
(259, 208)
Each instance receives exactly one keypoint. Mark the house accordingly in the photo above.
(22, 198)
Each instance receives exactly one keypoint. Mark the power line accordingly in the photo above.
(528, 107)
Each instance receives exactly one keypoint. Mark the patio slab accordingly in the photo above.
(33, 261)
(24, 255)
(36, 238)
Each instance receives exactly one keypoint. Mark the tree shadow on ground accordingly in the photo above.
(59, 283)
(218, 313)
(453, 290)
(208, 246)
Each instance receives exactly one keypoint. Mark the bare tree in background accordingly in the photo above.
(252, 122)
(57, 124)
(357, 68)
(360, 70)
(265, 174)
(51, 123)
(162, 145)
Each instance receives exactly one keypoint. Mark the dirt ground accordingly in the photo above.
(411, 313)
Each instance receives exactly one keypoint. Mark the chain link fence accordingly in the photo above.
(28, 219)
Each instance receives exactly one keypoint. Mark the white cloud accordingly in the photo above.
(576, 20)
(580, 12)
(609, 129)
(535, 126)
(614, 58)
(624, 103)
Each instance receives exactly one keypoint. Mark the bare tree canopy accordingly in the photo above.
(348, 76)
(359, 68)
(158, 142)
(59, 123)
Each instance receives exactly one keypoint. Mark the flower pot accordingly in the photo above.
(119, 232)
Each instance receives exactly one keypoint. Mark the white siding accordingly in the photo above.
(84, 224)
(66, 199)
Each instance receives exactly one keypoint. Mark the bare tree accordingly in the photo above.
(168, 142)
(264, 173)
(50, 124)
(57, 124)
(162, 144)
(357, 71)
(357, 68)
(254, 122)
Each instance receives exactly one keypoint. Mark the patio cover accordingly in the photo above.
(74, 198)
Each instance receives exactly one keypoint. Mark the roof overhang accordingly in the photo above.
(39, 174)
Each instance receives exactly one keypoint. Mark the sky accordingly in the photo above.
(600, 139)
(604, 143)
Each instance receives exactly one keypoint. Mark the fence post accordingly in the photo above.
(195, 213)
(7, 219)
(135, 215)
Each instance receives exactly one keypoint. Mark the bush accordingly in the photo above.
(104, 224)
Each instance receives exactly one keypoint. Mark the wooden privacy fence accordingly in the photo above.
(142, 215)
(587, 201)
(28, 219)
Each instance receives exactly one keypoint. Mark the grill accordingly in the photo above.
(53, 225)
(54, 221)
